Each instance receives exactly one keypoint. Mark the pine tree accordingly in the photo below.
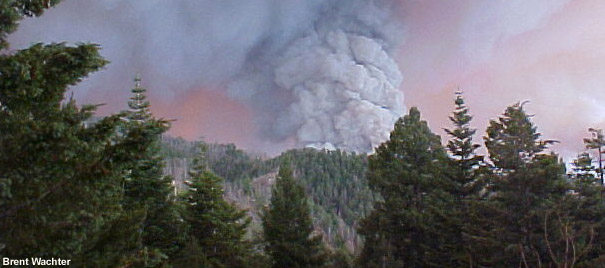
(139, 106)
(587, 206)
(192, 255)
(597, 142)
(584, 170)
(404, 230)
(462, 149)
(513, 141)
(216, 227)
(59, 179)
(146, 188)
(340, 258)
(465, 176)
(526, 183)
(12, 11)
(288, 227)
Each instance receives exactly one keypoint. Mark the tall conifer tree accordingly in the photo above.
(288, 227)
(216, 227)
(526, 183)
(597, 143)
(146, 188)
(462, 149)
(405, 230)
(59, 177)
(465, 176)
(587, 206)
(139, 106)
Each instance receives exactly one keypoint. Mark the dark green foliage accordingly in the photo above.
(35, 79)
(192, 255)
(225, 160)
(439, 213)
(526, 184)
(119, 242)
(12, 11)
(64, 178)
(465, 175)
(403, 230)
(59, 180)
(146, 188)
(572, 232)
(60, 184)
(334, 180)
(138, 104)
(216, 227)
(597, 142)
(512, 140)
(584, 169)
(93, 190)
(232, 163)
(339, 258)
(288, 227)
(336, 184)
(462, 149)
(587, 207)
(60, 177)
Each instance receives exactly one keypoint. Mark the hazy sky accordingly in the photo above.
(550, 52)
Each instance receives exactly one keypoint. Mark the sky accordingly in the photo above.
(547, 52)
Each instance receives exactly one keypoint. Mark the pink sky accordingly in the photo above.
(550, 53)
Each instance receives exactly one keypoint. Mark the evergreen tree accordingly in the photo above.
(512, 141)
(340, 258)
(462, 149)
(587, 206)
(146, 188)
(465, 176)
(336, 181)
(405, 230)
(288, 227)
(597, 142)
(139, 106)
(59, 178)
(216, 227)
(584, 170)
(12, 11)
(526, 183)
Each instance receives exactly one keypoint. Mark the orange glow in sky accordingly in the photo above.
(558, 64)
(498, 52)
(209, 114)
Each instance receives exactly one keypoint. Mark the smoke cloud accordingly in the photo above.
(319, 72)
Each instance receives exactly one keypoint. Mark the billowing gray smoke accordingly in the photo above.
(318, 71)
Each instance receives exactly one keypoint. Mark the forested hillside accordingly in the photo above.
(334, 180)
(115, 191)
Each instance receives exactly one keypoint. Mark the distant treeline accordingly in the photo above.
(334, 181)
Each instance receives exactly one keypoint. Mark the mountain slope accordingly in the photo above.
(334, 181)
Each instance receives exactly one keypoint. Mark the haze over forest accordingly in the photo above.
(223, 70)
(497, 171)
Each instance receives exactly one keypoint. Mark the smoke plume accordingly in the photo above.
(319, 72)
